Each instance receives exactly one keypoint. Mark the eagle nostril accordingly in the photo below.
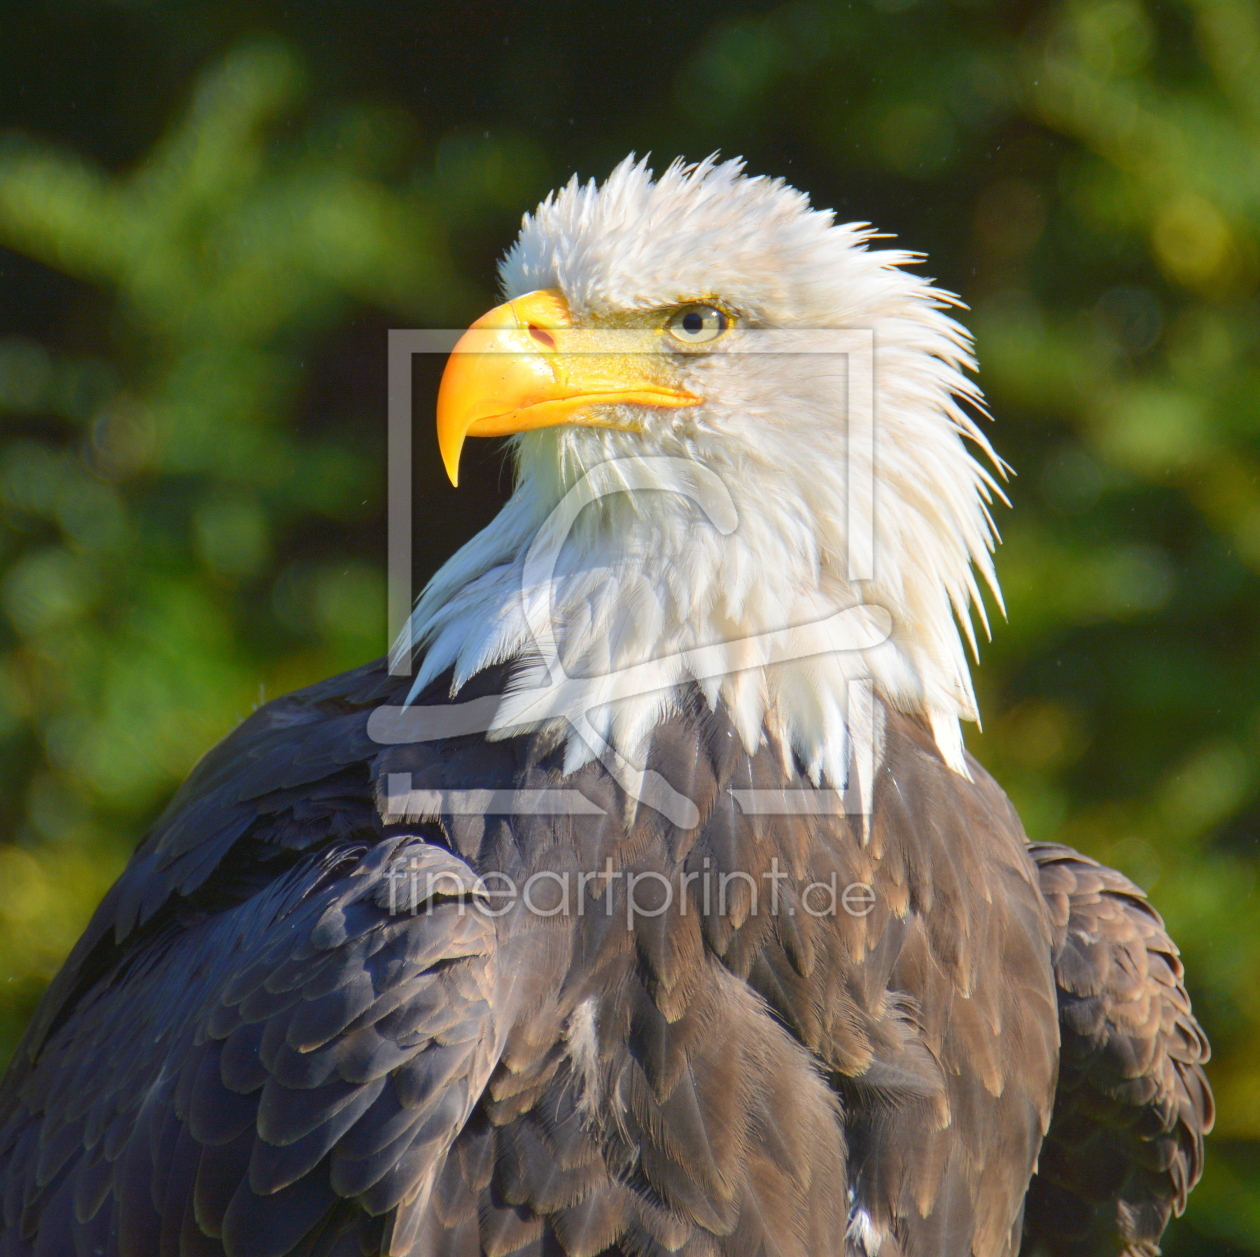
(543, 338)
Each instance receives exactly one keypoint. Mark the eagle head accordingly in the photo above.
(666, 332)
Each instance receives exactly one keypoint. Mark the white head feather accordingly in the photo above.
(642, 576)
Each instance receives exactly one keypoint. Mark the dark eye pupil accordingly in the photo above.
(693, 321)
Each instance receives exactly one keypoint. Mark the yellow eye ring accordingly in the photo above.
(698, 324)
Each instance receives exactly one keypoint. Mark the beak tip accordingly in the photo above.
(450, 451)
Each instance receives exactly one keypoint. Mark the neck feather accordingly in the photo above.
(668, 587)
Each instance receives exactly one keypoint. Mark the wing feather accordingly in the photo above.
(265, 1098)
(1125, 1144)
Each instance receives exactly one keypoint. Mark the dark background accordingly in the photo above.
(210, 215)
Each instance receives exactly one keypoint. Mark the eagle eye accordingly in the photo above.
(698, 324)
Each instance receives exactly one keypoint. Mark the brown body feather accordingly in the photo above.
(259, 1049)
(1126, 1143)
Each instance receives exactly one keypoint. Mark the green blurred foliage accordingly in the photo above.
(196, 275)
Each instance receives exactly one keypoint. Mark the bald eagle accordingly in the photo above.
(659, 908)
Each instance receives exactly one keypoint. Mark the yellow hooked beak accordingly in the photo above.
(524, 365)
